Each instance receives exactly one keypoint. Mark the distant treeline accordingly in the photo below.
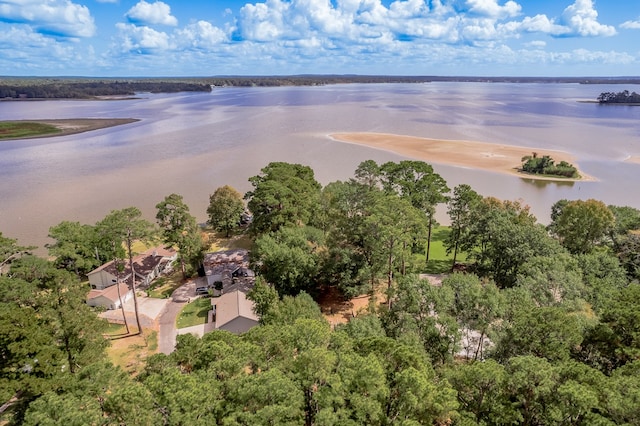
(623, 97)
(90, 89)
(87, 87)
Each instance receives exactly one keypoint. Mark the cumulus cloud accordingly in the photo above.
(582, 19)
(61, 18)
(201, 35)
(157, 13)
(142, 39)
(492, 9)
(631, 25)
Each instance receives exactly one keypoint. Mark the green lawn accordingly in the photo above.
(25, 129)
(195, 313)
(439, 260)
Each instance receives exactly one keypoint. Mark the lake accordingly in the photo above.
(193, 143)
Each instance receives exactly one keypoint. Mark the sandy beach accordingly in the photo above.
(476, 155)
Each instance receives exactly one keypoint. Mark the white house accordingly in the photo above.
(147, 266)
(233, 312)
(108, 298)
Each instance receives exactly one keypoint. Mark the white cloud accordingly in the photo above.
(492, 9)
(200, 35)
(631, 25)
(582, 18)
(141, 39)
(55, 17)
(157, 13)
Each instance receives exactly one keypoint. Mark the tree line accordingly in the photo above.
(623, 97)
(537, 325)
(92, 89)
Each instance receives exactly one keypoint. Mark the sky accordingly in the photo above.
(122, 38)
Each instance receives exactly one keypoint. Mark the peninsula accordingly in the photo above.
(30, 129)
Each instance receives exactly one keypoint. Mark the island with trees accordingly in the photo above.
(545, 165)
(528, 324)
(623, 97)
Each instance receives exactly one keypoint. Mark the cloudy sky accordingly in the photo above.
(403, 37)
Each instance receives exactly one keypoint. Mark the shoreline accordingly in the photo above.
(71, 126)
(490, 157)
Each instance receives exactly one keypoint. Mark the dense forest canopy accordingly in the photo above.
(539, 325)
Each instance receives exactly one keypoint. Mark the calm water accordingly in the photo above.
(193, 143)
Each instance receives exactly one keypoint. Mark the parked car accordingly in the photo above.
(202, 290)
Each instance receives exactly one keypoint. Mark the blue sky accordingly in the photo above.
(402, 37)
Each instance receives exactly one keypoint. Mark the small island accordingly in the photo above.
(623, 97)
(546, 166)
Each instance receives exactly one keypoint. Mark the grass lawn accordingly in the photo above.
(25, 129)
(218, 241)
(439, 260)
(194, 313)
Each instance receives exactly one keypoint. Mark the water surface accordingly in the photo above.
(193, 143)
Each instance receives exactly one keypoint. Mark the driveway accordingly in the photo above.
(167, 331)
(149, 310)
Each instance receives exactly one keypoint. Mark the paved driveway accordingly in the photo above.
(149, 310)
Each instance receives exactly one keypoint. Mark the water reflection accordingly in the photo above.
(545, 184)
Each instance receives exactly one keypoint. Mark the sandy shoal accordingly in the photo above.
(633, 159)
(475, 155)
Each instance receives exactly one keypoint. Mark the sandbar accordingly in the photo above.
(461, 153)
(75, 125)
(633, 159)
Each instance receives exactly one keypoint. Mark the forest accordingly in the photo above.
(531, 324)
(63, 89)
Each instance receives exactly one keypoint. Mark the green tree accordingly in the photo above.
(503, 236)
(390, 229)
(552, 280)
(123, 227)
(47, 332)
(283, 194)
(626, 219)
(581, 225)
(411, 316)
(417, 182)
(629, 255)
(477, 306)
(75, 247)
(346, 207)
(481, 391)
(288, 258)
(546, 332)
(225, 209)
(460, 208)
(179, 228)
(10, 250)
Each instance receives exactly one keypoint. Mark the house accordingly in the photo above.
(223, 266)
(147, 267)
(108, 298)
(233, 312)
